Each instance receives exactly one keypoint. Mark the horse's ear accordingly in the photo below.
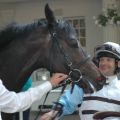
(49, 15)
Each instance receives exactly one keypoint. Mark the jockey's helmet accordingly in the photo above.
(109, 49)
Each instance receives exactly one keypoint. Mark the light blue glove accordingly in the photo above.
(71, 101)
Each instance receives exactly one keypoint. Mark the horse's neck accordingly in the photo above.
(17, 63)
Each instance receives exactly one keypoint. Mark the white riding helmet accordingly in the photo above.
(110, 48)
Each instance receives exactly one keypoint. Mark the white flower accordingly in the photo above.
(105, 13)
(112, 18)
(96, 22)
(107, 17)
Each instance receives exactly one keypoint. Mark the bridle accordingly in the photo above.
(73, 70)
(75, 75)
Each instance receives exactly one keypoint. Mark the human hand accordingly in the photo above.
(48, 116)
(57, 78)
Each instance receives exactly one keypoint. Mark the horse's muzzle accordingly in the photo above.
(101, 81)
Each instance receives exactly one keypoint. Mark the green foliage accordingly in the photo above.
(110, 16)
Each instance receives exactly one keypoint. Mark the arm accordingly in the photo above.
(12, 102)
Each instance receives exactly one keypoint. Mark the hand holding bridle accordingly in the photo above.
(57, 78)
(49, 116)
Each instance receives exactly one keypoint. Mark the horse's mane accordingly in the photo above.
(14, 30)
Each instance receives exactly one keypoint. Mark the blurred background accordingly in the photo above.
(82, 14)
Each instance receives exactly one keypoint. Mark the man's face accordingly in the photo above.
(107, 66)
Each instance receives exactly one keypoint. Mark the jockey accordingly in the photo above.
(11, 102)
(106, 99)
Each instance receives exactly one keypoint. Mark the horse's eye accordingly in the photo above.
(73, 43)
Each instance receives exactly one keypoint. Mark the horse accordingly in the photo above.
(45, 43)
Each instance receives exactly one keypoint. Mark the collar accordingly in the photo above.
(111, 80)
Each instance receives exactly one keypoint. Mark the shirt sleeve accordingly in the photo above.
(70, 101)
(13, 102)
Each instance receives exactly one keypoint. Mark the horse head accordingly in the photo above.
(66, 54)
(50, 44)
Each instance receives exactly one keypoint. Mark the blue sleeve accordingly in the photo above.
(71, 101)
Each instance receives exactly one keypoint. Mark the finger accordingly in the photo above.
(59, 74)
(46, 117)
(63, 77)
(42, 118)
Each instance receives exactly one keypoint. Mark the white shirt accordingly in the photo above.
(11, 102)
(107, 99)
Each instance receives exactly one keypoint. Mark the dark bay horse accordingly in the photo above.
(49, 44)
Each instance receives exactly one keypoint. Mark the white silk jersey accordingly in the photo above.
(106, 99)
